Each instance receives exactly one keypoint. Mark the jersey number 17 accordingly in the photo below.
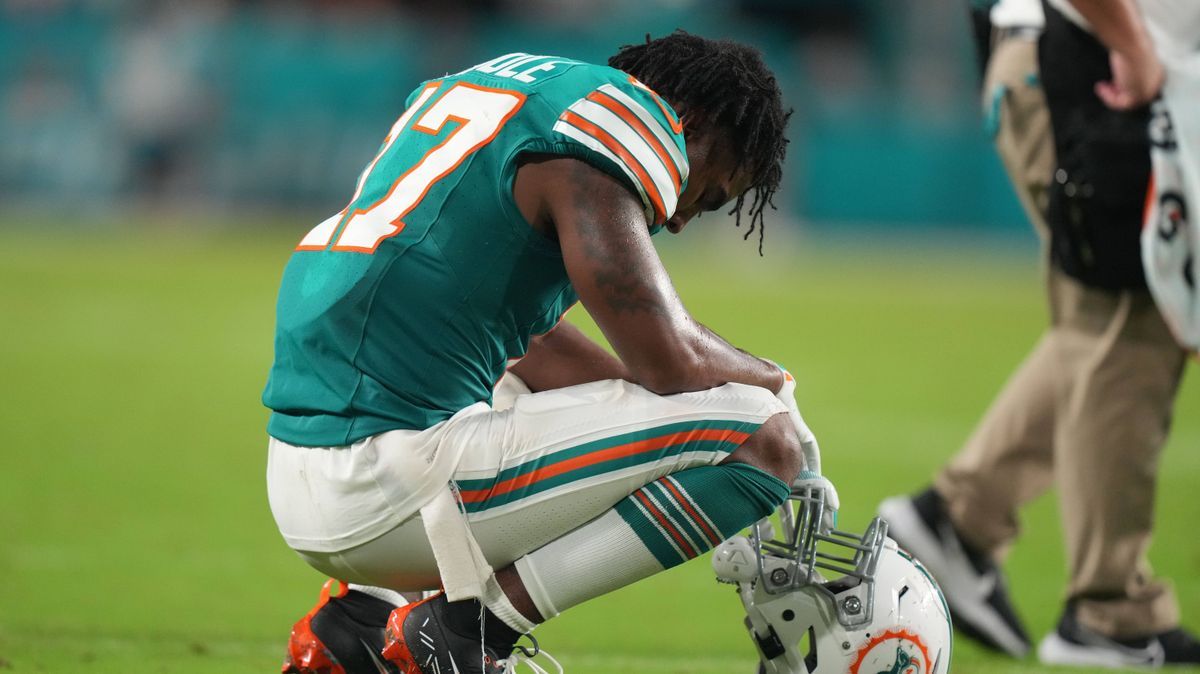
(479, 111)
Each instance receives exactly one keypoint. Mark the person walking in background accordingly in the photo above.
(1015, 113)
(1089, 409)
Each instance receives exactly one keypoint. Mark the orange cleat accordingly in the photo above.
(342, 634)
(395, 649)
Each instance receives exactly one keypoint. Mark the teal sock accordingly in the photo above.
(684, 515)
(661, 525)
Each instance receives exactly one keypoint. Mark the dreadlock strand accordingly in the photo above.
(726, 86)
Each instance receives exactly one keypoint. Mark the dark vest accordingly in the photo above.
(1098, 190)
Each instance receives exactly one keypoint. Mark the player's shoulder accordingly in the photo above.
(602, 115)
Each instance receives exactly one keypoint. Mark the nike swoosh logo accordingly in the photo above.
(1150, 654)
(379, 663)
(1155, 652)
(676, 127)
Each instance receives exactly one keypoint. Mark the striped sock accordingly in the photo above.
(661, 525)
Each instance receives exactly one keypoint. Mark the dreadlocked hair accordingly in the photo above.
(725, 86)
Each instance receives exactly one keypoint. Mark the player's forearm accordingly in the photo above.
(620, 279)
(742, 367)
(567, 357)
(1118, 24)
(701, 359)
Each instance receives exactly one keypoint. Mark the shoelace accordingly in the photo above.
(510, 663)
(525, 656)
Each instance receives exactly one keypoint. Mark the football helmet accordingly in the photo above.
(823, 601)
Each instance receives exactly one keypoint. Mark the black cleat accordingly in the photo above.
(974, 586)
(1072, 643)
(342, 634)
(436, 636)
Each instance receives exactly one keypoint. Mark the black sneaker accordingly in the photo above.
(1071, 643)
(436, 636)
(972, 583)
(342, 634)
(1180, 647)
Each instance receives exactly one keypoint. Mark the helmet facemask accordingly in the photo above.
(819, 599)
(820, 556)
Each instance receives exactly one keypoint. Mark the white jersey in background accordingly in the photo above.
(1171, 236)
(1174, 25)
(1017, 14)
(1171, 232)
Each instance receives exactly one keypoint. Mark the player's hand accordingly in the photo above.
(808, 441)
(810, 480)
(1135, 82)
(811, 483)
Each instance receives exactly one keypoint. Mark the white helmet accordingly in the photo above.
(879, 612)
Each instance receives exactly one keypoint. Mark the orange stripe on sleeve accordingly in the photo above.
(675, 126)
(614, 146)
(642, 130)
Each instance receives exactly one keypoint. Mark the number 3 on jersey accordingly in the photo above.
(480, 112)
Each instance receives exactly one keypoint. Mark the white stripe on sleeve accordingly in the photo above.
(653, 124)
(638, 146)
(595, 145)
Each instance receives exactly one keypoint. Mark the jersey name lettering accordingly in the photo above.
(518, 66)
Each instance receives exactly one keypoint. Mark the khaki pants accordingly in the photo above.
(1088, 411)
(1023, 137)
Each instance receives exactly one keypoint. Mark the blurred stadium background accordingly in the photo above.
(158, 160)
(224, 105)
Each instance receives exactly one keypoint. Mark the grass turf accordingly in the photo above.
(136, 531)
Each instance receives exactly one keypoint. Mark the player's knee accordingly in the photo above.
(774, 448)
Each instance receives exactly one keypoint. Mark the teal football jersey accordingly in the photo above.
(408, 305)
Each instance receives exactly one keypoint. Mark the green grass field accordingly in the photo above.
(136, 534)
